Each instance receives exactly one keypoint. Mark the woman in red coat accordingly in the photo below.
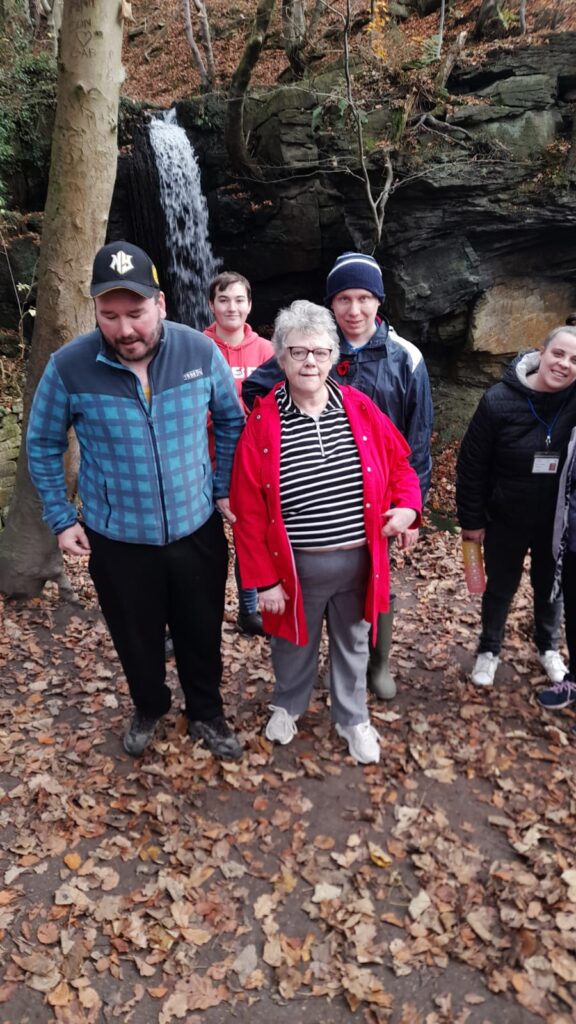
(321, 480)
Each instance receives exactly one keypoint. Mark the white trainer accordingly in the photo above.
(553, 666)
(281, 727)
(363, 741)
(485, 669)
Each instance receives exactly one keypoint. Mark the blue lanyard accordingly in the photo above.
(549, 426)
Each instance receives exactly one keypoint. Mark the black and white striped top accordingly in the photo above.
(321, 492)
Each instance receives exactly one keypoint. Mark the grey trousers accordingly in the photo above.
(332, 582)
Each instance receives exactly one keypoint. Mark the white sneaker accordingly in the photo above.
(281, 727)
(485, 669)
(363, 741)
(553, 666)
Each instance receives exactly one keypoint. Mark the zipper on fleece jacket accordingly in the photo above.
(147, 410)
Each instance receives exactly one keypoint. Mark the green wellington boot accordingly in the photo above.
(380, 680)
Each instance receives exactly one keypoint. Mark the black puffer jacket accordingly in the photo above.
(494, 478)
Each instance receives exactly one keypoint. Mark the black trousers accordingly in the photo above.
(142, 589)
(569, 590)
(505, 548)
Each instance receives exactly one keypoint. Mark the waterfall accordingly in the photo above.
(191, 264)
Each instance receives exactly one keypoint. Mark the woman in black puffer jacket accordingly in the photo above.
(506, 489)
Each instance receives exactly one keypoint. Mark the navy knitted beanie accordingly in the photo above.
(354, 270)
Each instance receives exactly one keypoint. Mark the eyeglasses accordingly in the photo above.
(321, 355)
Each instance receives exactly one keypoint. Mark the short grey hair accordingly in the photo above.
(307, 318)
(565, 329)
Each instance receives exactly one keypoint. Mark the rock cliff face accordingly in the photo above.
(479, 241)
(478, 247)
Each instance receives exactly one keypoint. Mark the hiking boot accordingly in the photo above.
(250, 624)
(217, 735)
(281, 726)
(139, 733)
(559, 696)
(485, 669)
(553, 666)
(363, 741)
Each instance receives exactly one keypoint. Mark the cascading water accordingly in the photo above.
(191, 262)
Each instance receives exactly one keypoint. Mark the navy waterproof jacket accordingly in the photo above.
(392, 372)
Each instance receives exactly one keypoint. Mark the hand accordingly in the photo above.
(408, 539)
(273, 600)
(223, 506)
(398, 520)
(74, 541)
(476, 536)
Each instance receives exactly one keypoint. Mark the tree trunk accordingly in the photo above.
(441, 29)
(206, 41)
(489, 22)
(294, 32)
(82, 173)
(55, 24)
(193, 46)
(316, 14)
(448, 62)
(234, 131)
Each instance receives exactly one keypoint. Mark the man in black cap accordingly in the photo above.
(392, 372)
(137, 391)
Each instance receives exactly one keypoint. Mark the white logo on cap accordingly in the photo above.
(122, 262)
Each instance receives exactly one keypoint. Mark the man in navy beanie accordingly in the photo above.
(392, 372)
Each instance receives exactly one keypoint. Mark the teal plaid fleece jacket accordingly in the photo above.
(145, 472)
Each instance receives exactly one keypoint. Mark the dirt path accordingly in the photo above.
(438, 886)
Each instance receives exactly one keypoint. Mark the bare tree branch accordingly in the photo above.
(200, 66)
(206, 41)
(234, 131)
(441, 29)
(377, 206)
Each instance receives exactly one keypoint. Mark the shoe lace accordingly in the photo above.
(219, 726)
(565, 685)
(485, 658)
(366, 730)
(287, 718)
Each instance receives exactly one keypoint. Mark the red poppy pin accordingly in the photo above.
(343, 367)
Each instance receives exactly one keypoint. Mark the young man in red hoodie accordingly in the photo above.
(230, 300)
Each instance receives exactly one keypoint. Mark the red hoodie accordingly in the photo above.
(244, 358)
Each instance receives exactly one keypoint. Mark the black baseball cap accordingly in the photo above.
(123, 265)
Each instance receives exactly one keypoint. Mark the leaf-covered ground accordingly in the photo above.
(160, 69)
(293, 886)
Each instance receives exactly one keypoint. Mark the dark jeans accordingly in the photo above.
(569, 590)
(505, 548)
(142, 589)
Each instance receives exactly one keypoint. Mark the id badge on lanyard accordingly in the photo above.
(546, 462)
